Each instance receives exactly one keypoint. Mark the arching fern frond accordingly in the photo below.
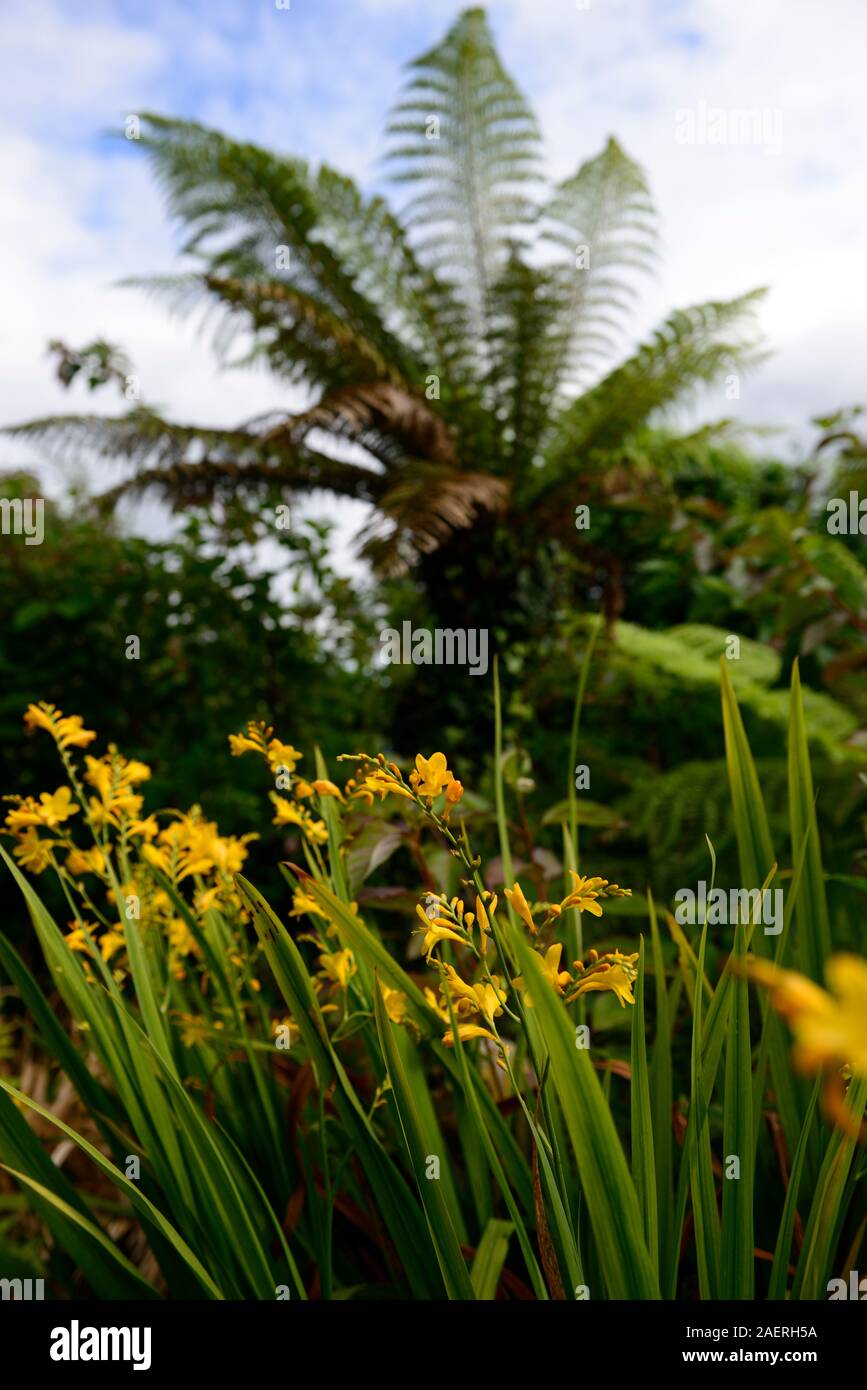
(604, 220)
(421, 507)
(464, 135)
(692, 347)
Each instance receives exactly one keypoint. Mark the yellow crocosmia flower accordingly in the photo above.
(110, 943)
(50, 810)
(302, 789)
(40, 716)
(550, 962)
(240, 744)
(77, 941)
(584, 893)
(830, 1029)
(71, 732)
(395, 1003)
(136, 772)
(484, 921)
(378, 782)
(287, 813)
(436, 929)
(229, 852)
(521, 906)
(67, 730)
(32, 853)
(431, 774)
(305, 905)
(283, 755)
(85, 861)
(58, 807)
(146, 829)
(478, 998)
(613, 971)
(316, 832)
(454, 792)
(208, 898)
(466, 1032)
(158, 858)
(610, 977)
(463, 996)
(325, 788)
(337, 966)
(181, 939)
(491, 998)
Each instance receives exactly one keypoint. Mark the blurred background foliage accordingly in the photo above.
(238, 618)
(463, 382)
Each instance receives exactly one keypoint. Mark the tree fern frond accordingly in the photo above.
(694, 346)
(525, 346)
(463, 132)
(389, 421)
(604, 219)
(186, 484)
(249, 213)
(420, 509)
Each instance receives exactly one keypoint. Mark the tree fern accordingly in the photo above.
(443, 341)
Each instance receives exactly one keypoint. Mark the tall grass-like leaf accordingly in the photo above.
(65, 1214)
(660, 1082)
(499, 791)
(489, 1259)
(143, 1205)
(443, 1235)
(398, 1208)
(755, 849)
(699, 1158)
(575, 936)
(780, 1268)
(736, 1268)
(643, 1156)
(756, 856)
(132, 1280)
(823, 1223)
(612, 1203)
(814, 931)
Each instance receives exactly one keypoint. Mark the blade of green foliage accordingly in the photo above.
(701, 1178)
(612, 1202)
(138, 1199)
(814, 931)
(643, 1157)
(126, 1276)
(443, 1236)
(755, 850)
(489, 1259)
(398, 1207)
(780, 1269)
(736, 1265)
(660, 1083)
(823, 1223)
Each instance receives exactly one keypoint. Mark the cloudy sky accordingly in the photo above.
(317, 78)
